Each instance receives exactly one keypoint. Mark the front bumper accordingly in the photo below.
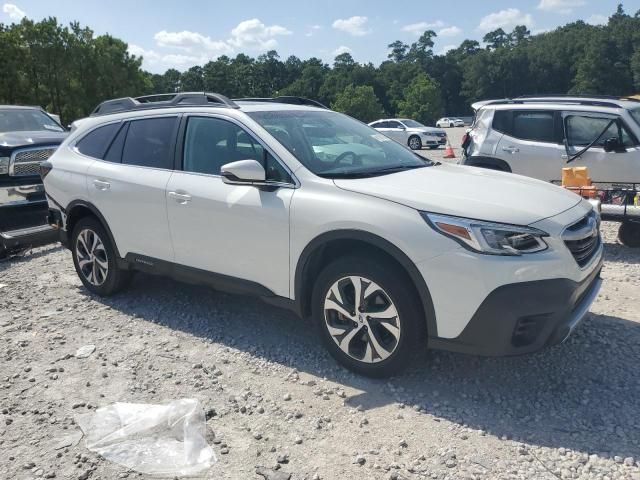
(525, 317)
(23, 217)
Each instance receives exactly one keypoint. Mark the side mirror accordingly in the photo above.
(613, 145)
(243, 172)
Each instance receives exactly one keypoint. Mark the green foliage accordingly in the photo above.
(68, 70)
(422, 100)
(359, 102)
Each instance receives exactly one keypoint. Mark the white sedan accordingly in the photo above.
(411, 133)
(449, 122)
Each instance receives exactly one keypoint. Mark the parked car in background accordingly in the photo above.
(411, 133)
(450, 122)
(28, 136)
(314, 211)
(538, 136)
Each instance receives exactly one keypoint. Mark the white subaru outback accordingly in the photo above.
(315, 211)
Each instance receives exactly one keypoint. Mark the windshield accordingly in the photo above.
(333, 145)
(635, 113)
(412, 123)
(26, 120)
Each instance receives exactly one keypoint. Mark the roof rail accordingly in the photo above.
(289, 99)
(567, 100)
(163, 100)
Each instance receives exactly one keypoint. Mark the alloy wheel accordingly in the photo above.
(414, 143)
(362, 319)
(92, 257)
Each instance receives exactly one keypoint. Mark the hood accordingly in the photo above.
(30, 139)
(468, 192)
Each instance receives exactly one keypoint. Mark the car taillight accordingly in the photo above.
(465, 137)
(45, 168)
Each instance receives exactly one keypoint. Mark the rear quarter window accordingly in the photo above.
(95, 143)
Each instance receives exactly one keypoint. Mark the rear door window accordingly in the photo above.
(95, 143)
(533, 125)
(150, 142)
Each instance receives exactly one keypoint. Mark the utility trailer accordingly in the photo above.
(617, 202)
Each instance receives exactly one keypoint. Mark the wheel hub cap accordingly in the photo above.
(362, 319)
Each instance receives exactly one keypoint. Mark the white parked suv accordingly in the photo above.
(411, 133)
(312, 210)
(450, 122)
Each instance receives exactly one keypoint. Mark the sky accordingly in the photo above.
(180, 34)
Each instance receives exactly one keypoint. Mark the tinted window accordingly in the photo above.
(583, 131)
(501, 121)
(149, 143)
(114, 153)
(382, 125)
(96, 142)
(395, 125)
(536, 126)
(211, 143)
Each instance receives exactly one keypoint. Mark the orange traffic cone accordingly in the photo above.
(448, 151)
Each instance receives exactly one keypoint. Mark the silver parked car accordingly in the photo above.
(411, 133)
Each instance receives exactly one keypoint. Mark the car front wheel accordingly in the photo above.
(415, 143)
(95, 258)
(368, 315)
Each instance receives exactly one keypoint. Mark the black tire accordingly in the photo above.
(399, 290)
(629, 234)
(451, 125)
(414, 142)
(116, 278)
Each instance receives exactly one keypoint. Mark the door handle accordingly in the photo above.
(511, 150)
(181, 198)
(100, 185)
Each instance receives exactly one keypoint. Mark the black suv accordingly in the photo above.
(28, 136)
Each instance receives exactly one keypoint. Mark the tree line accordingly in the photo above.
(69, 70)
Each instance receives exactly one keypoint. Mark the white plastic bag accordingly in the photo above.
(153, 439)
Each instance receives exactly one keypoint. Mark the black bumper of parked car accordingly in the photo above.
(23, 218)
(525, 317)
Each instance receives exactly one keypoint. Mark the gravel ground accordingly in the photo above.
(455, 138)
(276, 400)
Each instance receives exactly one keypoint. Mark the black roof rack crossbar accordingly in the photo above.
(163, 100)
(289, 99)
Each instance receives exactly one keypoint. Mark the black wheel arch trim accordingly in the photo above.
(488, 162)
(94, 210)
(382, 244)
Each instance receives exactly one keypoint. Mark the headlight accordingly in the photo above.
(487, 237)
(4, 165)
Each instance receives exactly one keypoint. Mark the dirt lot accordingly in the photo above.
(572, 411)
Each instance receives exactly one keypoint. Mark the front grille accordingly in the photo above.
(27, 162)
(441, 134)
(583, 238)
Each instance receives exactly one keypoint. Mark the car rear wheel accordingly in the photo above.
(629, 234)
(451, 125)
(415, 143)
(367, 315)
(95, 258)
